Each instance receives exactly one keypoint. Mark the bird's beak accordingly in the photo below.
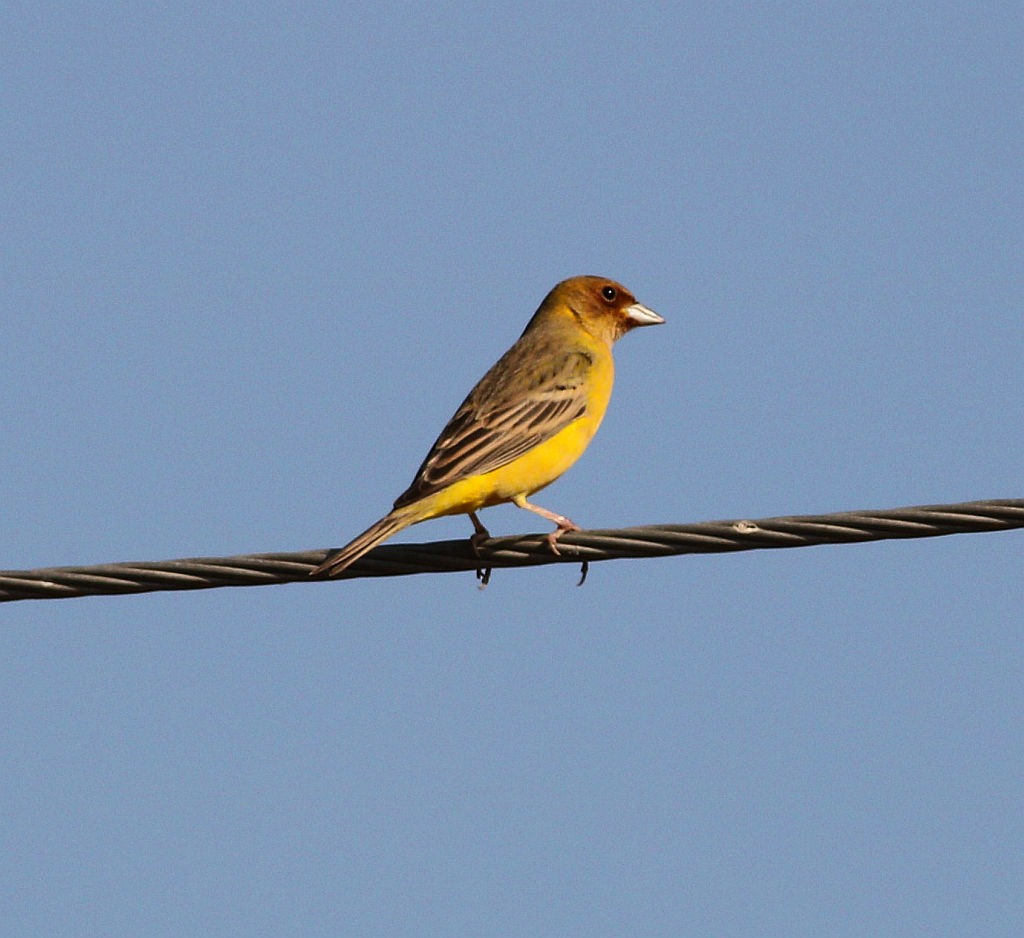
(640, 315)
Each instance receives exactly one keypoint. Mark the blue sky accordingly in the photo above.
(256, 254)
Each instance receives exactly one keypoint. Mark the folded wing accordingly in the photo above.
(515, 407)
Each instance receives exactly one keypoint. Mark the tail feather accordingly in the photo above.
(370, 538)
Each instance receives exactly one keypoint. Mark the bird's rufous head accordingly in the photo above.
(602, 306)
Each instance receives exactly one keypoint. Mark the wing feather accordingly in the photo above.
(513, 409)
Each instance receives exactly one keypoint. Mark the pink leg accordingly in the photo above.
(564, 524)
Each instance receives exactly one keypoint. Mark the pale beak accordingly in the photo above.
(640, 315)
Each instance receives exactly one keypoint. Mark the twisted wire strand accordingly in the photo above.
(665, 540)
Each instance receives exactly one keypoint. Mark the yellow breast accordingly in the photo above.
(536, 468)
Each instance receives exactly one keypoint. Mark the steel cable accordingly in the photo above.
(585, 547)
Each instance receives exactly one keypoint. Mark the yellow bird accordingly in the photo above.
(527, 420)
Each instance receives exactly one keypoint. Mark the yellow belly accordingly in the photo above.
(526, 474)
(523, 476)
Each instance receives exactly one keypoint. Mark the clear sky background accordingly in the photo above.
(254, 255)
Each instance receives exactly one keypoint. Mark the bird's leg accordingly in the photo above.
(564, 524)
(480, 533)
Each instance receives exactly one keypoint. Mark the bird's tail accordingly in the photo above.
(370, 538)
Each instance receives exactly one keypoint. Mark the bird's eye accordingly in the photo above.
(609, 293)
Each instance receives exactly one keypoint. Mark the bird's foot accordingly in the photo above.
(564, 525)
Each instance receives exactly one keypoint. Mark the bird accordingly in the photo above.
(524, 423)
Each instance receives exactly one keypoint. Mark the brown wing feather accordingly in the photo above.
(501, 420)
